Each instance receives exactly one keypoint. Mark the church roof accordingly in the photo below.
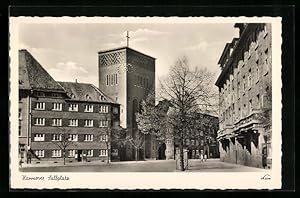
(32, 76)
(124, 47)
(85, 92)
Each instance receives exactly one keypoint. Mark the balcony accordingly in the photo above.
(256, 117)
(227, 131)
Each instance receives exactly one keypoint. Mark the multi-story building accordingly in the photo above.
(245, 97)
(203, 141)
(62, 116)
(126, 76)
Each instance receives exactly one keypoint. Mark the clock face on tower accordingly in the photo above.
(125, 68)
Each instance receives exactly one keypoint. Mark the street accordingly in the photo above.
(211, 165)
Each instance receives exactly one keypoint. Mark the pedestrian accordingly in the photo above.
(205, 157)
(28, 158)
(20, 163)
(84, 157)
(201, 157)
(264, 157)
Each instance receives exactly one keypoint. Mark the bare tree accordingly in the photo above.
(137, 142)
(111, 136)
(63, 142)
(189, 92)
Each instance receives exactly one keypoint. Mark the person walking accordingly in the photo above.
(205, 157)
(201, 157)
(28, 158)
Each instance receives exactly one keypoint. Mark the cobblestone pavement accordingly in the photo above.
(211, 165)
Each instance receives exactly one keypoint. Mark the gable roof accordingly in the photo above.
(33, 76)
(85, 92)
(126, 48)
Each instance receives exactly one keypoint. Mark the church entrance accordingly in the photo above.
(161, 152)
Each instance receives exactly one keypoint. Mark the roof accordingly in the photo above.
(226, 48)
(33, 76)
(85, 92)
(124, 47)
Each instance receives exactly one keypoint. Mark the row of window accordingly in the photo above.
(141, 81)
(74, 107)
(245, 109)
(194, 142)
(72, 122)
(111, 79)
(39, 137)
(42, 94)
(244, 83)
(70, 153)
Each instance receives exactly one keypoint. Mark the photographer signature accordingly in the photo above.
(266, 177)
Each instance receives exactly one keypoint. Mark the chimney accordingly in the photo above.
(75, 80)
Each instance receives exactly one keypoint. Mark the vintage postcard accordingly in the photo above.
(145, 103)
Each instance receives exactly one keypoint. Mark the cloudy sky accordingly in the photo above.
(69, 51)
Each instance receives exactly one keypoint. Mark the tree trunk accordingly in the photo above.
(136, 154)
(181, 155)
(108, 155)
(64, 154)
(144, 147)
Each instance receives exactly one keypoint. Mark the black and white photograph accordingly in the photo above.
(171, 99)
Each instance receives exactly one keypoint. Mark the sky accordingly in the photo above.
(69, 51)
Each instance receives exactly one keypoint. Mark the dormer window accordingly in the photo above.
(72, 96)
(87, 97)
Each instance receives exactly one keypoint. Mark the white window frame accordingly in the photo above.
(39, 121)
(88, 123)
(88, 137)
(56, 122)
(103, 123)
(73, 107)
(103, 109)
(39, 106)
(39, 153)
(88, 108)
(73, 137)
(201, 142)
(38, 137)
(56, 153)
(56, 137)
(73, 122)
(103, 152)
(104, 138)
(90, 153)
(71, 153)
(57, 107)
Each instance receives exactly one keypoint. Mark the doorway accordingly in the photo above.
(162, 152)
(79, 154)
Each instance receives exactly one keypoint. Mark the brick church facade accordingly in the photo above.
(245, 97)
(127, 76)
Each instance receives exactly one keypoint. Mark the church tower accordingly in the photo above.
(127, 76)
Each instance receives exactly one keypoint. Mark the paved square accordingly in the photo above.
(211, 165)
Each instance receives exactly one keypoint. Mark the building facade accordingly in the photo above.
(127, 76)
(204, 141)
(245, 97)
(62, 117)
